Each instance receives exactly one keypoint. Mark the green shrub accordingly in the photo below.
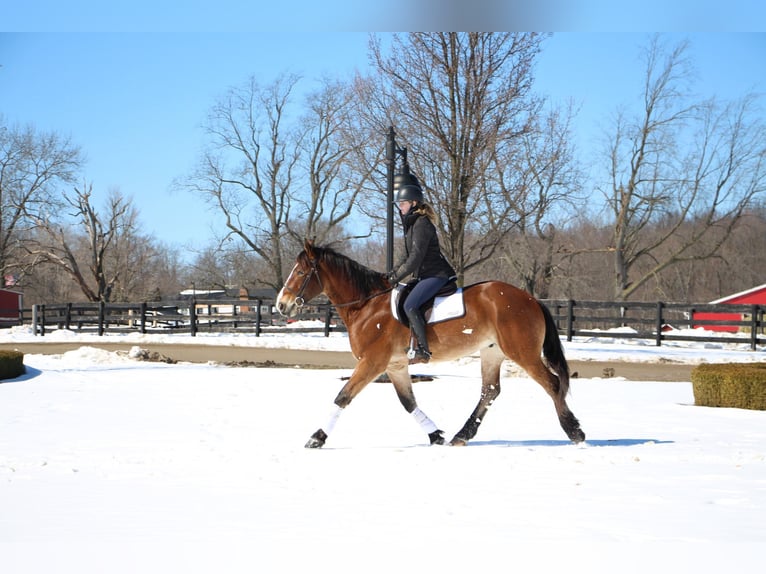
(11, 364)
(736, 385)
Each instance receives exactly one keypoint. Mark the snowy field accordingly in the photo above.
(110, 464)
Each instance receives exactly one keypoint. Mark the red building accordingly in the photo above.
(754, 296)
(10, 305)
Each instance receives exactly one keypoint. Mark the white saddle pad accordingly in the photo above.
(445, 308)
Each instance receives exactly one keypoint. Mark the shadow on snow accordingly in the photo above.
(564, 442)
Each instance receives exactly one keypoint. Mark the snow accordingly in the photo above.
(111, 464)
(603, 348)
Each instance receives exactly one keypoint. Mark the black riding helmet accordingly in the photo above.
(410, 193)
(410, 190)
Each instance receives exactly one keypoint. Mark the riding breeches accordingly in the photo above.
(424, 290)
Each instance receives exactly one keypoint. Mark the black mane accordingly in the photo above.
(364, 280)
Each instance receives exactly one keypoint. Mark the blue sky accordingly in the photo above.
(134, 101)
(406, 15)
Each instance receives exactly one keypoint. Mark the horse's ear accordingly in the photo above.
(308, 247)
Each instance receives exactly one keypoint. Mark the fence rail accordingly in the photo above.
(658, 322)
(254, 316)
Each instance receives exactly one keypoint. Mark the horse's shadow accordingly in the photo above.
(588, 442)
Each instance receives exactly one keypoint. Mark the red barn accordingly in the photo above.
(10, 305)
(754, 296)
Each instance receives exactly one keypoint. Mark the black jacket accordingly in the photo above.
(422, 256)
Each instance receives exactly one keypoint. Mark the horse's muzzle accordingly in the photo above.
(285, 309)
(287, 305)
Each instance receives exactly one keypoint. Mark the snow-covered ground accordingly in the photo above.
(604, 348)
(110, 464)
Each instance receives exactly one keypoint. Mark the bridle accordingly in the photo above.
(300, 301)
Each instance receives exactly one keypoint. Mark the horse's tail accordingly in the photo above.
(553, 351)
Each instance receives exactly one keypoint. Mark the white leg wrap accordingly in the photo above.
(336, 411)
(425, 423)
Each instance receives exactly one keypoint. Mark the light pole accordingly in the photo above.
(393, 182)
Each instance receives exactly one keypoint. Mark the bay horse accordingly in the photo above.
(501, 321)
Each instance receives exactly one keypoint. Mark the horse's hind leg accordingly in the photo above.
(552, 385)
(491, 361)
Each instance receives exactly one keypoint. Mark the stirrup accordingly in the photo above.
(419, 355)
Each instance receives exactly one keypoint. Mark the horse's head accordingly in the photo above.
(303, 283)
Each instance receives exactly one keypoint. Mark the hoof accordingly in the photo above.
(317, 439)
(577, 436)
(457, 441)
(436, 437)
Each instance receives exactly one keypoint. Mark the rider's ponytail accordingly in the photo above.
(425, 209)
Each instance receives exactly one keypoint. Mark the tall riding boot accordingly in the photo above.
(418, 324)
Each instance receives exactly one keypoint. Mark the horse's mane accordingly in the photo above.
(363, 279)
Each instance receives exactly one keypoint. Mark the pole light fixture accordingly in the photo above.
(395, 179)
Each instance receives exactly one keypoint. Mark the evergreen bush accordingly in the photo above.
(735, 385)
(11, 364)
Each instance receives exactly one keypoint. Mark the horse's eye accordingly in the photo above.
(300, 273)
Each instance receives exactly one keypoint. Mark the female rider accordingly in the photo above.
(423, 259)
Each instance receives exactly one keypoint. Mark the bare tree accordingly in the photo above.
(33, 166)
(540, 185)
(277, 177)
(461, 102)
(211, 269)
(679, 161)
(161, 273)
(246, 173)
(104, 251)
(330, 152)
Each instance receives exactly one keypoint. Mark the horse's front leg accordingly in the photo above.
(398, 372)
(364, 372)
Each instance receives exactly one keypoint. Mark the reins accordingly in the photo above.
(364, 299)
(300, 301)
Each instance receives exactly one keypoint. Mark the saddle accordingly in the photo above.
(446, 304)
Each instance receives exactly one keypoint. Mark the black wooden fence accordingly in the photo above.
(659, 322)
(254, 316)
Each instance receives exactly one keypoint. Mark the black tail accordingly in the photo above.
(553, 352)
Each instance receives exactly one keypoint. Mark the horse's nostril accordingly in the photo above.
(283, 308)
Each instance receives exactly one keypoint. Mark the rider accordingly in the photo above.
(422, 258)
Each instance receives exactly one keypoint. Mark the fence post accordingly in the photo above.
(570, 319)
(327, 317)
(754, 328)
(143, 318)
(35, 313)
(193, 316)
(100, 318)
(658, 340)
(258, 318)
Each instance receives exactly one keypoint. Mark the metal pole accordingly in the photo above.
(658, 324)
(390, 165)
